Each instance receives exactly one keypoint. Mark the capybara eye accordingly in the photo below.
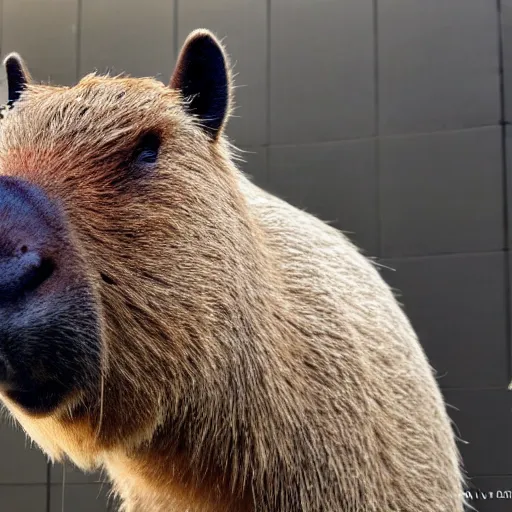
(107, 279)
(147, 149)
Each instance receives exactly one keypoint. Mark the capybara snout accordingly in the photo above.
(43, 299)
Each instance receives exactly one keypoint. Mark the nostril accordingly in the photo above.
(23, 274)
(23, 249)
(37, 271)
(3, 371)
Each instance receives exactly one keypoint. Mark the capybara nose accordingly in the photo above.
(26, 241)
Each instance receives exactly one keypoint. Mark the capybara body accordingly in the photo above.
(210, 346)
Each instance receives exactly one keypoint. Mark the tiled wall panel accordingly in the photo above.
(382, 117)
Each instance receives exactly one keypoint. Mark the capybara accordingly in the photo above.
(208, 345)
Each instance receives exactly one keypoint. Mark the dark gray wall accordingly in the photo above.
(388, 118)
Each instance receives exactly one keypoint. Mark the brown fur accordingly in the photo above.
(253, 359)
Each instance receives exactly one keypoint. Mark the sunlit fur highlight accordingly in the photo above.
(253, 359)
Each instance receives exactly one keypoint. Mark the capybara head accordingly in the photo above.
(124, 252)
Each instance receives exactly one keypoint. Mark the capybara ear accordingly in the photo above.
(18, 76)
(202, 75)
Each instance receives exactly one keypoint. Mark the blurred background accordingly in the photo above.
(387, 118)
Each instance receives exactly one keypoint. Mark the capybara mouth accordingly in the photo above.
(41, 399)
(42, 365)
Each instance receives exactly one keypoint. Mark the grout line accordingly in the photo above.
(48, 486)
(23, 484)
(175, 28)
(81, 484)
(381, 137)
(471, 389)
(505, 185)
(493, 475)
(388, 258)
(78, 48)
(376, 98)
(2, 22)
(52, 485)
(269, 77)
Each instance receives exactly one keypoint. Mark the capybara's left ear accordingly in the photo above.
(18, 76)
(202, 75)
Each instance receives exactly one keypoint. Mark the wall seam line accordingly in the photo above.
(505, 185)
(376, 100)
(267, 91)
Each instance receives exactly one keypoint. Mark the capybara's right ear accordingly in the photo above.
(18, 76)
(202, 75)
